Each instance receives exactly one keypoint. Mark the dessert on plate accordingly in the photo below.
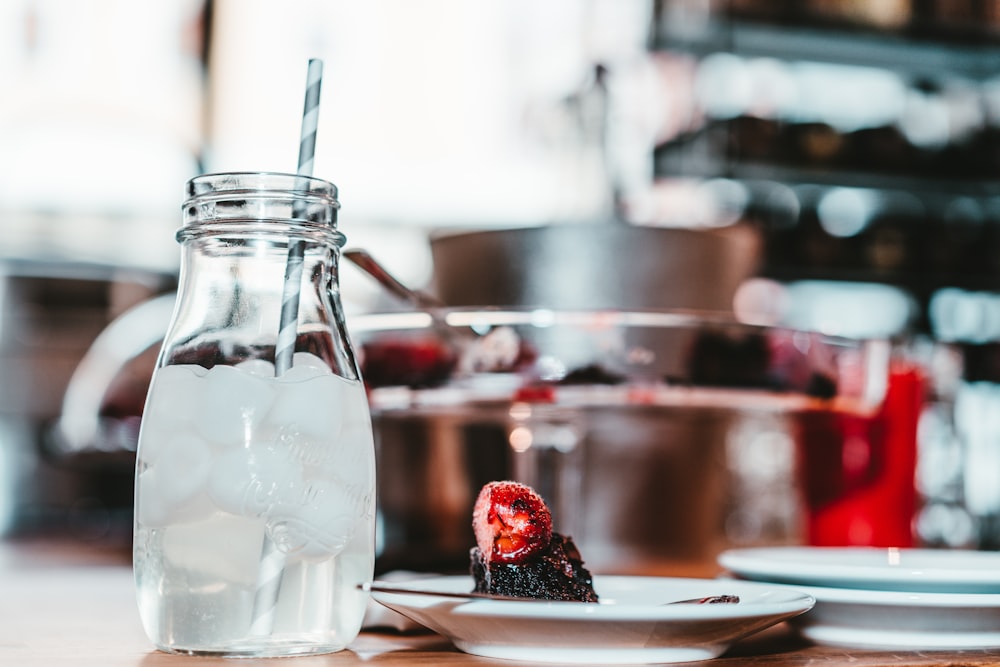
(518, 554)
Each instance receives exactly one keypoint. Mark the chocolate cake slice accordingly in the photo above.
(517, 554)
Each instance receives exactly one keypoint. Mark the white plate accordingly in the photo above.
(913, 570)
(848, 617)
(629, 625)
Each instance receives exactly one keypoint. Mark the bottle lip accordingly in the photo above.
(261, 202)
(235, 182)
(301, 230)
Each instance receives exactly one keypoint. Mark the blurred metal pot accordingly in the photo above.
(614, 265)
(431, 467)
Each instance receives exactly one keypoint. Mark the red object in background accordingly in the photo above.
(857, 473)
(535, 393)
(416, 363)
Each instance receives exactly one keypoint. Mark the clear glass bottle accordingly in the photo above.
(255, 487)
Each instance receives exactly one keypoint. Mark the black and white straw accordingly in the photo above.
(272, 559)
(285, 346)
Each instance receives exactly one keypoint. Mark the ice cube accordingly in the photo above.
(302, 373)
(173, 397)
(355, 456)
(232, 404)
(312, 408)
(182, 467)
(151, 509)
(153, 438)
(222, 548)
(309, 361)
(356, 413)
(171, 489)
(153, 512)
(321, 521)
(258, 367)
(248, 481)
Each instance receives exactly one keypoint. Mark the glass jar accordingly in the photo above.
(255, 476)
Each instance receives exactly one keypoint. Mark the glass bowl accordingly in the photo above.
(457, 359)
(654, 436)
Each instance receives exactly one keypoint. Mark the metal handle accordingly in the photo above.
(373, 268)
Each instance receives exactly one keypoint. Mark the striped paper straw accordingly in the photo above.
(272, 564)
(285, 347)
(272, 559)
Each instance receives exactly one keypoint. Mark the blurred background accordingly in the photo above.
(857, 141)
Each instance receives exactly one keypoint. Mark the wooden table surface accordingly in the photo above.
(72, 605)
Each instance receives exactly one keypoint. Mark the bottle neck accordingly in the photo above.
(241, 234)
(230, 298)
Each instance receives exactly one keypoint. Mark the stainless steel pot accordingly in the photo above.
(431, 466)
(642, 410)
(614, 265)
(652, 486)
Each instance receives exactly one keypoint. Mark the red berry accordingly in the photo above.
(511, 522)
(535, 393)
(413, 363)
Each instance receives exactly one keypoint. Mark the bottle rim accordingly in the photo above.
(291, 229)
(299, 194)
(259, 182)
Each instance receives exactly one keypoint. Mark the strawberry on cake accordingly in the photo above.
(517, 553)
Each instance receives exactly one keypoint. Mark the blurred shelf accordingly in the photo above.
(930, 190)
(787, 164)
(903, 52)
(919, 284)
(86, 245)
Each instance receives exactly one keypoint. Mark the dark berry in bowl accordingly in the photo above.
(417, 363)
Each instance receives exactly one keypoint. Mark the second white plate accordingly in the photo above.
(911, 570)
(849, 617)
